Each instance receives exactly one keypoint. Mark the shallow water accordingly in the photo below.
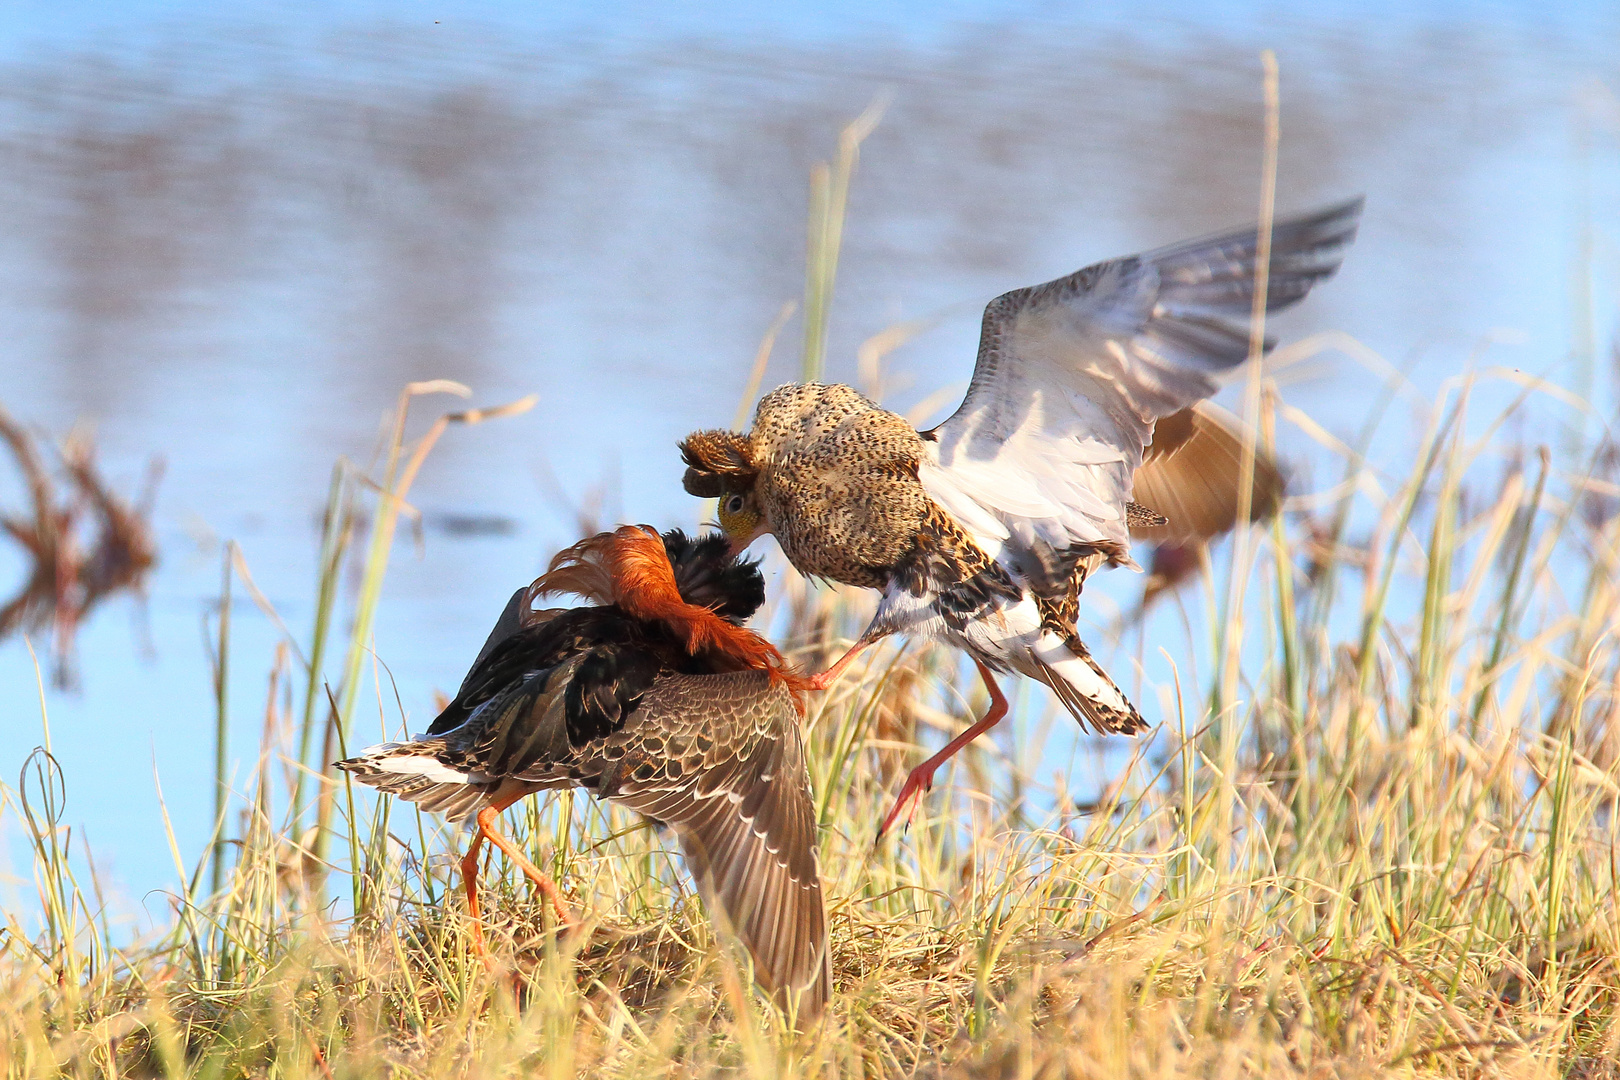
(229, 246)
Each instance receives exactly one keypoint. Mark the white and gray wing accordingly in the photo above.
(1073, 374)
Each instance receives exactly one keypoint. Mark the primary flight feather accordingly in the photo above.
(982, 530)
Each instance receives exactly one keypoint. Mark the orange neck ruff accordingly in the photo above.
(629, 567)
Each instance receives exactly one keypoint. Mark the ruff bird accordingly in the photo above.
(1193, 472)
(653, 697)
(982, 531)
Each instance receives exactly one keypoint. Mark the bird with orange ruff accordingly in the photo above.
(983, 530)
(654, 697)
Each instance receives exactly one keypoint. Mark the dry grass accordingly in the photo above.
(1378, 840)
(1388, 849)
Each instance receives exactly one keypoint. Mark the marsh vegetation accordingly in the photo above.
(1372, 833)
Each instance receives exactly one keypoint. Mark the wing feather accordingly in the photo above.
(742, 808)
(1192, 474)
(1072, 376)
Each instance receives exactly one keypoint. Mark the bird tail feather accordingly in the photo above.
(1085, 688)
(412, 771)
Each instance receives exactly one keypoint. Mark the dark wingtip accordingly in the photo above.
(1320, 239)
(1346, 210)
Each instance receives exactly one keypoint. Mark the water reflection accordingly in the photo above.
(410, 223)
(81, 542)
(234, 250)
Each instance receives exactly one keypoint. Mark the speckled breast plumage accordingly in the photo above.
(838, 481)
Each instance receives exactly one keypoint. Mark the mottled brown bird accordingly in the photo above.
(1193, 472)
(654, 698)
(982, 530)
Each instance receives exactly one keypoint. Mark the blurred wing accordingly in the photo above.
(1192, 475)
(1072, 375)
(719, 758)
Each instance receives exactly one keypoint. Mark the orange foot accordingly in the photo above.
(922, 777)
(918, 783)
(566, 921)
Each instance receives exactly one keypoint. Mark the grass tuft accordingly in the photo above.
(1392, 853)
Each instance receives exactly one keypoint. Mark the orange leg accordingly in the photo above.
(486, 828)
(469, 875)
(922, 777)
(828, 677)
(469, 881)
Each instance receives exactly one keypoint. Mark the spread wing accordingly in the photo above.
(1073, 374)
(719, 759)
(1192, 474)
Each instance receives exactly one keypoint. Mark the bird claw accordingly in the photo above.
(918, 784)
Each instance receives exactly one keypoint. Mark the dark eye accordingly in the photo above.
(734, 504)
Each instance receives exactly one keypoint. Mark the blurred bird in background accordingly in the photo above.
(982, 531)
(1192, 473)
(654, 697)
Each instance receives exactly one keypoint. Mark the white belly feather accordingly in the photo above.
(1009, 637)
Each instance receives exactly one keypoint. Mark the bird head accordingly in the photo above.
(720, 464)
(633, 563)
(708, 575)
(741, 519)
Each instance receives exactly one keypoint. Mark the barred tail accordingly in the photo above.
(413, 772)
(1084, 687)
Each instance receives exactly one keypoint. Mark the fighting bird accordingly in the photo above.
(1193, 473)
(982, 531)
(654, 697)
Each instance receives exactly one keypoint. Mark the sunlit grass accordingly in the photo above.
(1391, 851)
(1373, 833)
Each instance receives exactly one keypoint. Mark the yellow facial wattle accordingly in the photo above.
(740, 518)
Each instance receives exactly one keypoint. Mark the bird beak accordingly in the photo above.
(740, 546)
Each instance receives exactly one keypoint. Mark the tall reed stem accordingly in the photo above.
(829, 195)
(222, 722)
